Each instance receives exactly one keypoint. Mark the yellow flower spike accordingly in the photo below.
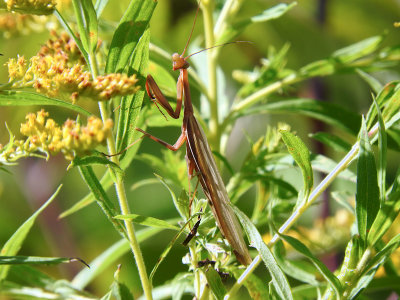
(46, 136)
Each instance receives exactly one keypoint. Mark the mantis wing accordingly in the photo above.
(199, 152)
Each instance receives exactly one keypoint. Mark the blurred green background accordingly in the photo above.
(313, 31)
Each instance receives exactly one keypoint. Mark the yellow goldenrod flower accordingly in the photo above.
(46, 136)
(12, 25)
(59, 68)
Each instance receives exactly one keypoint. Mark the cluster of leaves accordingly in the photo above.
(279, 202)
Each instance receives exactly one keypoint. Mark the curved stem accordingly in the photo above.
(121, 194)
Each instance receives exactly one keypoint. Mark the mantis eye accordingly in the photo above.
(175, 56)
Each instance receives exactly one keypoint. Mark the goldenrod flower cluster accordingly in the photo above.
(46, 136)
(59, 68)
(34, 7)
(12, 25)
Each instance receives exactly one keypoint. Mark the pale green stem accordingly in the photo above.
(214, 133)
(342, 165)
(121, 194)
(360, 267)
(194, 262)
(221, 23)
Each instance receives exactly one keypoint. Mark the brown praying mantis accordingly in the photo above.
(199, 157)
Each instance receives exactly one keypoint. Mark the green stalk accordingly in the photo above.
(214, 134)
(194, 262)
(121, 195)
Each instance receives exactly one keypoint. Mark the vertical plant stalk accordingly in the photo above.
(214, 135)
(194, 262)
(121, 194)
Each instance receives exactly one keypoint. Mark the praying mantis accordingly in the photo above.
(199, 158)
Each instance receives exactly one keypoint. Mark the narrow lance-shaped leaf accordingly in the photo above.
(109, 258)
(256, 287)
(272, 13)
(290, 268)
(131, 105)
(147, 221)
(367, 196)
(106, 182)
(357, 50)
(215, 283)
(279, 279)
(301, 155)
(35, 260)
(14, 243)
(375, 85)
(87, 23)
(24, 98)
(382, 149)
(130, 29)
(387, 214)
(169, 247)
(71, 32)
(328, 113)
(101, 196)
(328, 275)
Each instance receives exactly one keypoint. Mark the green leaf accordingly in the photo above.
(169, 247)
(72, 34)
(332, 141)
(101, 197)
(181, 203)
(368, 272)
(389, 91)
(106, 182)
(97, 160)
(272, 13)
(290, 268)
(34, 260)
(387, 214)
(147, 221)
(279, 280)
(357, 50)
(14, 243)
(326, 112)
(301, 155)
(165, 81)
(109, 257)
(118, 290)
(99, 7)
(86, 19)
(326, 165)
(318, 68)
(367, 196)
(22, 98)
(131, 105)
(328, 275)
(372, 81)
(382, 153)
(215, 283)
(255, 286)
(130, 30)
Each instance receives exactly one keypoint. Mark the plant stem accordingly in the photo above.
(214, 135)
(193, 260)
(121, 195)
(343, 164)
